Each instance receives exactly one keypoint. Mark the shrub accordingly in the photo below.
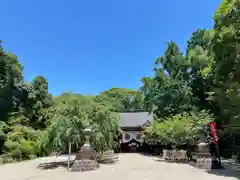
(6, 158)
(21, 143)
(178, 129)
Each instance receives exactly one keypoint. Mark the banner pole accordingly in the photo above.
(215, 141)
(218, 154)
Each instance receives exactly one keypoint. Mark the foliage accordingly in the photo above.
(67, 97)
(21, 143)
(105, 125)
(66, 126)
(22, 107)
(71, 120)
(179, 129)
(206, 77)
(121, 99)
(167, 93)
(225, 43)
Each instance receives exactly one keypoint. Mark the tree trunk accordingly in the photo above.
(69, 154)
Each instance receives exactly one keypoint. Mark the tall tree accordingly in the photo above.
(226, 48)
(11, 75)
(167, 93)
(200, 61)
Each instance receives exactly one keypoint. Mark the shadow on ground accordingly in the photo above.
(53, 165)
(231, 169)
(225, 172)
(149, 155)
(64, 164)
(172, 161)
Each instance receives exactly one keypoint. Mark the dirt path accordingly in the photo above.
(129, 167)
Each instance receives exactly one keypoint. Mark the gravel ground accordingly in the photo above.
(129, 167)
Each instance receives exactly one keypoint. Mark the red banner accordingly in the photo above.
(214, 132)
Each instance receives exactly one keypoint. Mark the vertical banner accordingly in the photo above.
(214, 132)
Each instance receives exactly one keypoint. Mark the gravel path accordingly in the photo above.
(129, 167)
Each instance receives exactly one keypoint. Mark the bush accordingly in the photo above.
(179, 129)
(3, 128)
(6, 158)
(21, 143)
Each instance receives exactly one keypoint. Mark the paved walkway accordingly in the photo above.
(129, 167)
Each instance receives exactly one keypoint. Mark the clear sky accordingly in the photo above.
(93, 45)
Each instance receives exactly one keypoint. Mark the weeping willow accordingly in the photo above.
(69, 124)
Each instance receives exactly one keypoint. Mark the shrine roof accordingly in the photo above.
(135, 119)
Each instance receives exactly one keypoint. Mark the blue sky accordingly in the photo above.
(90, 46)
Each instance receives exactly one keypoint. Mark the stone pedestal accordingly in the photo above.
(85, 152)
(202, 156)
(84, 165)
(202, 150)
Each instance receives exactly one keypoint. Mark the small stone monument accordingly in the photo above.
(85, 159)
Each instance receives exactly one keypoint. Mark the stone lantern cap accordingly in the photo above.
(87, 132)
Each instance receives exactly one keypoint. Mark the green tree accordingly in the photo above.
(167, 93)
(121, 99)
(200, 61)
(226, 56)
(72, 117)
(66, 129)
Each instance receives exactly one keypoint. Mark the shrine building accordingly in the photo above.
(132, 125)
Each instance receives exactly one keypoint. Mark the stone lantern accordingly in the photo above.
(203, 149)
(85, 159)
(202, 155)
